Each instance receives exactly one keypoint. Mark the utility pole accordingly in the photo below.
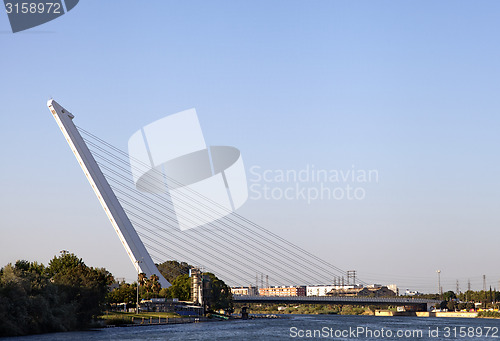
(468, 289)
(484, 283)
(137, 298)
(458, 288)
(440, 290)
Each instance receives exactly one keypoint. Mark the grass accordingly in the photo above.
(118, 318)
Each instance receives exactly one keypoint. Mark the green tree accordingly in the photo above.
(154, 283)
(63, 296)
(172, 269)
(79, 287)
(449, 295)
(181, 288)
(220, 296)
(125, 293)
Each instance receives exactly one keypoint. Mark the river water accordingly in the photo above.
(293, 327)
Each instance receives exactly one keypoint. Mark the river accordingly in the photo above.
(290, 327)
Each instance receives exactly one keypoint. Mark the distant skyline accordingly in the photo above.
(409, 89)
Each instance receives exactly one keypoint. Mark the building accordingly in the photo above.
(383, 291)
(323, 290)
(409, 292)
(319, 290)
(372, 291)
(283, 291)
(350, 292)
(201, 288)
(394, 288)
(244, 291)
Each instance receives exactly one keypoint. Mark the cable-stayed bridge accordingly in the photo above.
(234, 248)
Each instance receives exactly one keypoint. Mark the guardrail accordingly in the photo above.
(165, 320)
(319, 299)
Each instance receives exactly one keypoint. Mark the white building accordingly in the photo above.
(319, 290)
(394, 288)
(409, 292)
(244, 291)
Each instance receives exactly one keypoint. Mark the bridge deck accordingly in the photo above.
(333, 300)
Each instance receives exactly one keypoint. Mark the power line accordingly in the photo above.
(300, 257)
(236, 223)
(128, 203)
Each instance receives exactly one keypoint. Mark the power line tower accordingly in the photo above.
(351, 275)
(484, 283)
(267, 281)
(458, 288)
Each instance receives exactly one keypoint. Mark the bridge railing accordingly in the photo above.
(409, 300)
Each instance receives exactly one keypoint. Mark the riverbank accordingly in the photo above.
(307, 309)
(271, 329)
(121, 319)
(426, 313)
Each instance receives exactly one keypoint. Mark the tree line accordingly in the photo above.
(68, 295)
(65, 295)
(466, 300)
(177, 273)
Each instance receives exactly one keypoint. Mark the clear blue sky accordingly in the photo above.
(409, 88)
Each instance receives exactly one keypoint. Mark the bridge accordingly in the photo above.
(234, 248)
(420, 303)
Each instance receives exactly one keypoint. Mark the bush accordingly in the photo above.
(117, 321)
(350, 310)
(495, 314)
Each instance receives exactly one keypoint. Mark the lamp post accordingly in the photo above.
(137, 299)
(440, 291)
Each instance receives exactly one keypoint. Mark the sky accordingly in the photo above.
(408, 89)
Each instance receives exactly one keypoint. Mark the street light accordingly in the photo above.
(440, 290)
(137, 299)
